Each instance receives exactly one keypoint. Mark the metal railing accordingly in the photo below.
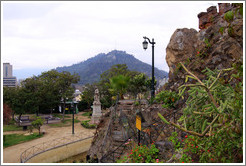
(49, 145)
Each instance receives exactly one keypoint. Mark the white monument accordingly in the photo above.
(97, 112)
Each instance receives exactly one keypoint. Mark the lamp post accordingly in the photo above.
(72, 107)
(145, 46)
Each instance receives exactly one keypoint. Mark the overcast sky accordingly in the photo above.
(46, 35)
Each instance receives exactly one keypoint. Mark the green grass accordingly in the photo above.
(66, 122)
(60, 116)
(13, 139)
(11, 127)
(87, 113)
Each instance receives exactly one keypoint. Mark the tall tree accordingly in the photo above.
(61, 85)
(119, 85)
(15, 97)
(137, 84)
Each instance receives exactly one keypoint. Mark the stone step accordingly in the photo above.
(117, 138)
(125, 107)
(117, 132)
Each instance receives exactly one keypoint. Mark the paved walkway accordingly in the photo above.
(12, 154)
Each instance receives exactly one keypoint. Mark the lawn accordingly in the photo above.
(11, 127)
(13, 139)
(66, 122)
(87, 113)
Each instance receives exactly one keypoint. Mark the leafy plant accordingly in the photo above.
(142, 154)
(229, 16)
(86, 124)
(206, 41)
(38, 123)
(174, 139)
(168, 98)
(214, 115)
(221, 30)
(119, 84)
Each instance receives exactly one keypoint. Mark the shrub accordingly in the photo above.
(141, 154)
(38, 123)
(168, 98)
(86, 124)
(214, 117)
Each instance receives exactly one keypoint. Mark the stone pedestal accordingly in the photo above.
(97, 111)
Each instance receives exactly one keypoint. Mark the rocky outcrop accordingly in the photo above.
(182, 45)
(218, 44)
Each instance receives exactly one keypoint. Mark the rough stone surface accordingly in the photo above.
(181, 46)
(207, 48)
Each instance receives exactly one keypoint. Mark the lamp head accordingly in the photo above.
(145, 44)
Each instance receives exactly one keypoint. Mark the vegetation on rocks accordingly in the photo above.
(213, 116)
(140, 153)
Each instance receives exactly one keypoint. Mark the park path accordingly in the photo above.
(12, 154)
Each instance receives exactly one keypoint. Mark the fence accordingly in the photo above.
(55, 143)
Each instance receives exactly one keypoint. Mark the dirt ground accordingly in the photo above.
(12, 154)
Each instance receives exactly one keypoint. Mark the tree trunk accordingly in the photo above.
(39, 130)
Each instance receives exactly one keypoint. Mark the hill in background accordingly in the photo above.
(91, 69)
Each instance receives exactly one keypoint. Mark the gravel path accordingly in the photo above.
(12, 154)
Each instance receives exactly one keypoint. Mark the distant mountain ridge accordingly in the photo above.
(91, 69)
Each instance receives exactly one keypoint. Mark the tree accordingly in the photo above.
(34, 94)
(104, 83)
(38, 123)
(15, 97)
(119, 85)
(7, 113)
(87, 97)
(137, 84)
(65, 89)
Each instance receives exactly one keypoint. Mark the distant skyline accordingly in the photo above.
(39, 35)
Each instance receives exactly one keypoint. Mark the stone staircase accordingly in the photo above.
(118, 135)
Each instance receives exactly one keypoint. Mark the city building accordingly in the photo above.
(8, 79)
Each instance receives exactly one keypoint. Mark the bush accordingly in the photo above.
(38, 123)
(86, 124)
(214, 117)
(168, 98)
(141, 154)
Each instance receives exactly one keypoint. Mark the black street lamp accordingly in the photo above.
(145, 46)
(72, 108)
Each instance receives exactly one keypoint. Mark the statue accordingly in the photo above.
(96, 97)
(97, 112)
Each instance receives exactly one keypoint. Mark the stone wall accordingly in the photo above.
(206, 19)
(210, 47)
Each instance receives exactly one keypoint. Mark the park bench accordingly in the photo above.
(50, 119)
(24, 122)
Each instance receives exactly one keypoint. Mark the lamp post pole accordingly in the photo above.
(73, 117)
(145, 46)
